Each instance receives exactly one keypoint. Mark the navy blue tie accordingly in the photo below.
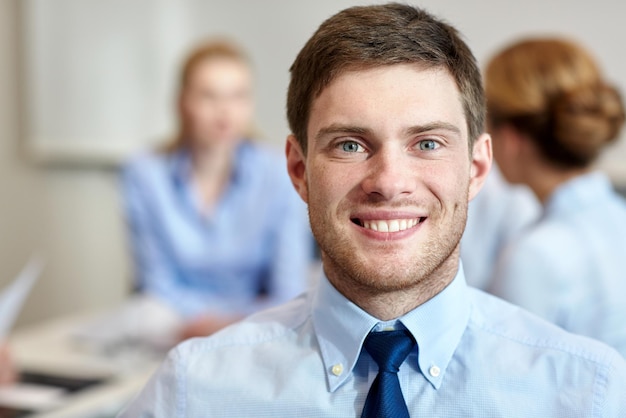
(389, 349)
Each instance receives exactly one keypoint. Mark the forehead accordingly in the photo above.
(218, 69)
(388, 97)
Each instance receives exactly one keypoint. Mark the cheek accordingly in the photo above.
(328, 186)
(241, 108)
(245, 115)
(450, 183)
(321, 191)
(201, 113)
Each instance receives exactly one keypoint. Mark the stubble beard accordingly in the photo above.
(433, 267)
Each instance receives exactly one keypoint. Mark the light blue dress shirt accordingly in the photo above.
(496, 216)
(257, 238)
(476, 356)
(570, 267)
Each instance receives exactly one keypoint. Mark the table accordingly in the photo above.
(52, 347)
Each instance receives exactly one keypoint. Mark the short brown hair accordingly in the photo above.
(364, 37)
(552, 90)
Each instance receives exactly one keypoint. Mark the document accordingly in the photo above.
(141, 329)
(29, 397)
(12, 298)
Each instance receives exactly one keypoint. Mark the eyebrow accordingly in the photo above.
(433, 126)
(336, 128)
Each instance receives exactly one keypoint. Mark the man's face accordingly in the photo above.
(387, 175)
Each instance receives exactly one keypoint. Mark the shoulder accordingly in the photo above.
(263, 161)
(145, 164)
(251, 354)
(544, 234)
(615, 207)
(528, 360)
(530, 336)
(258, 332)
(540, 250)
(261, 154)
(264, 168)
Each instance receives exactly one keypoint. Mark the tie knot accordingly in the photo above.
(389, 349)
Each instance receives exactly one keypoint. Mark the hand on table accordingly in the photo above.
(8, 373)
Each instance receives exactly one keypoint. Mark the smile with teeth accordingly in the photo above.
(389, 225)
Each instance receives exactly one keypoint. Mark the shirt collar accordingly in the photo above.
(437, 326)
(180, 164)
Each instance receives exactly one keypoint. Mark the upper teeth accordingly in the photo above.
(392, 225)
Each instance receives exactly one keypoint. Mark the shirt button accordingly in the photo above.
(434, 371)
(337, 369)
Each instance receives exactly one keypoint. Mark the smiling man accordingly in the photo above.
(388, 195)
(386, 108)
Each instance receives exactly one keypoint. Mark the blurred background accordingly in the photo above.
(84, 83)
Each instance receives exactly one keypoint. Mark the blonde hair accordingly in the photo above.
(212, 49)
(553, 91)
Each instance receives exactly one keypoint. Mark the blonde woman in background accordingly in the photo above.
(216, 229)
(551, 114)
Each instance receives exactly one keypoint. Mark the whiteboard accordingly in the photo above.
(99, 76)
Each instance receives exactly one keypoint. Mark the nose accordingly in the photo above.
(390, 175)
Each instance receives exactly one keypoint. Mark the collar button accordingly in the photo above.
(337, 369)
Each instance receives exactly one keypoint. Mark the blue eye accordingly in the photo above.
(351, 146)
(428, 145)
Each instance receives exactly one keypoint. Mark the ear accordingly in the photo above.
(482, 157)
(296, 167)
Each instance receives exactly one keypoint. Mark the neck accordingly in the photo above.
(213, 162)
(391, 304)
(544, 179)
(212, 168)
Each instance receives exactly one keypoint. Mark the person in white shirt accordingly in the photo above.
(551, 113)
(386, 110)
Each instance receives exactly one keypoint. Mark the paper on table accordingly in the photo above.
(13, 296)
(143, 327)
(32, 397)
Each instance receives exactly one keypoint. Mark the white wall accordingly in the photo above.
(72, 213)
(101, 73)
(19, 185)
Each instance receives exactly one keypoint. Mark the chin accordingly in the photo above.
(397, 276)
(375, 272)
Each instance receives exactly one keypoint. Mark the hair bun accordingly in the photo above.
(587, 119)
